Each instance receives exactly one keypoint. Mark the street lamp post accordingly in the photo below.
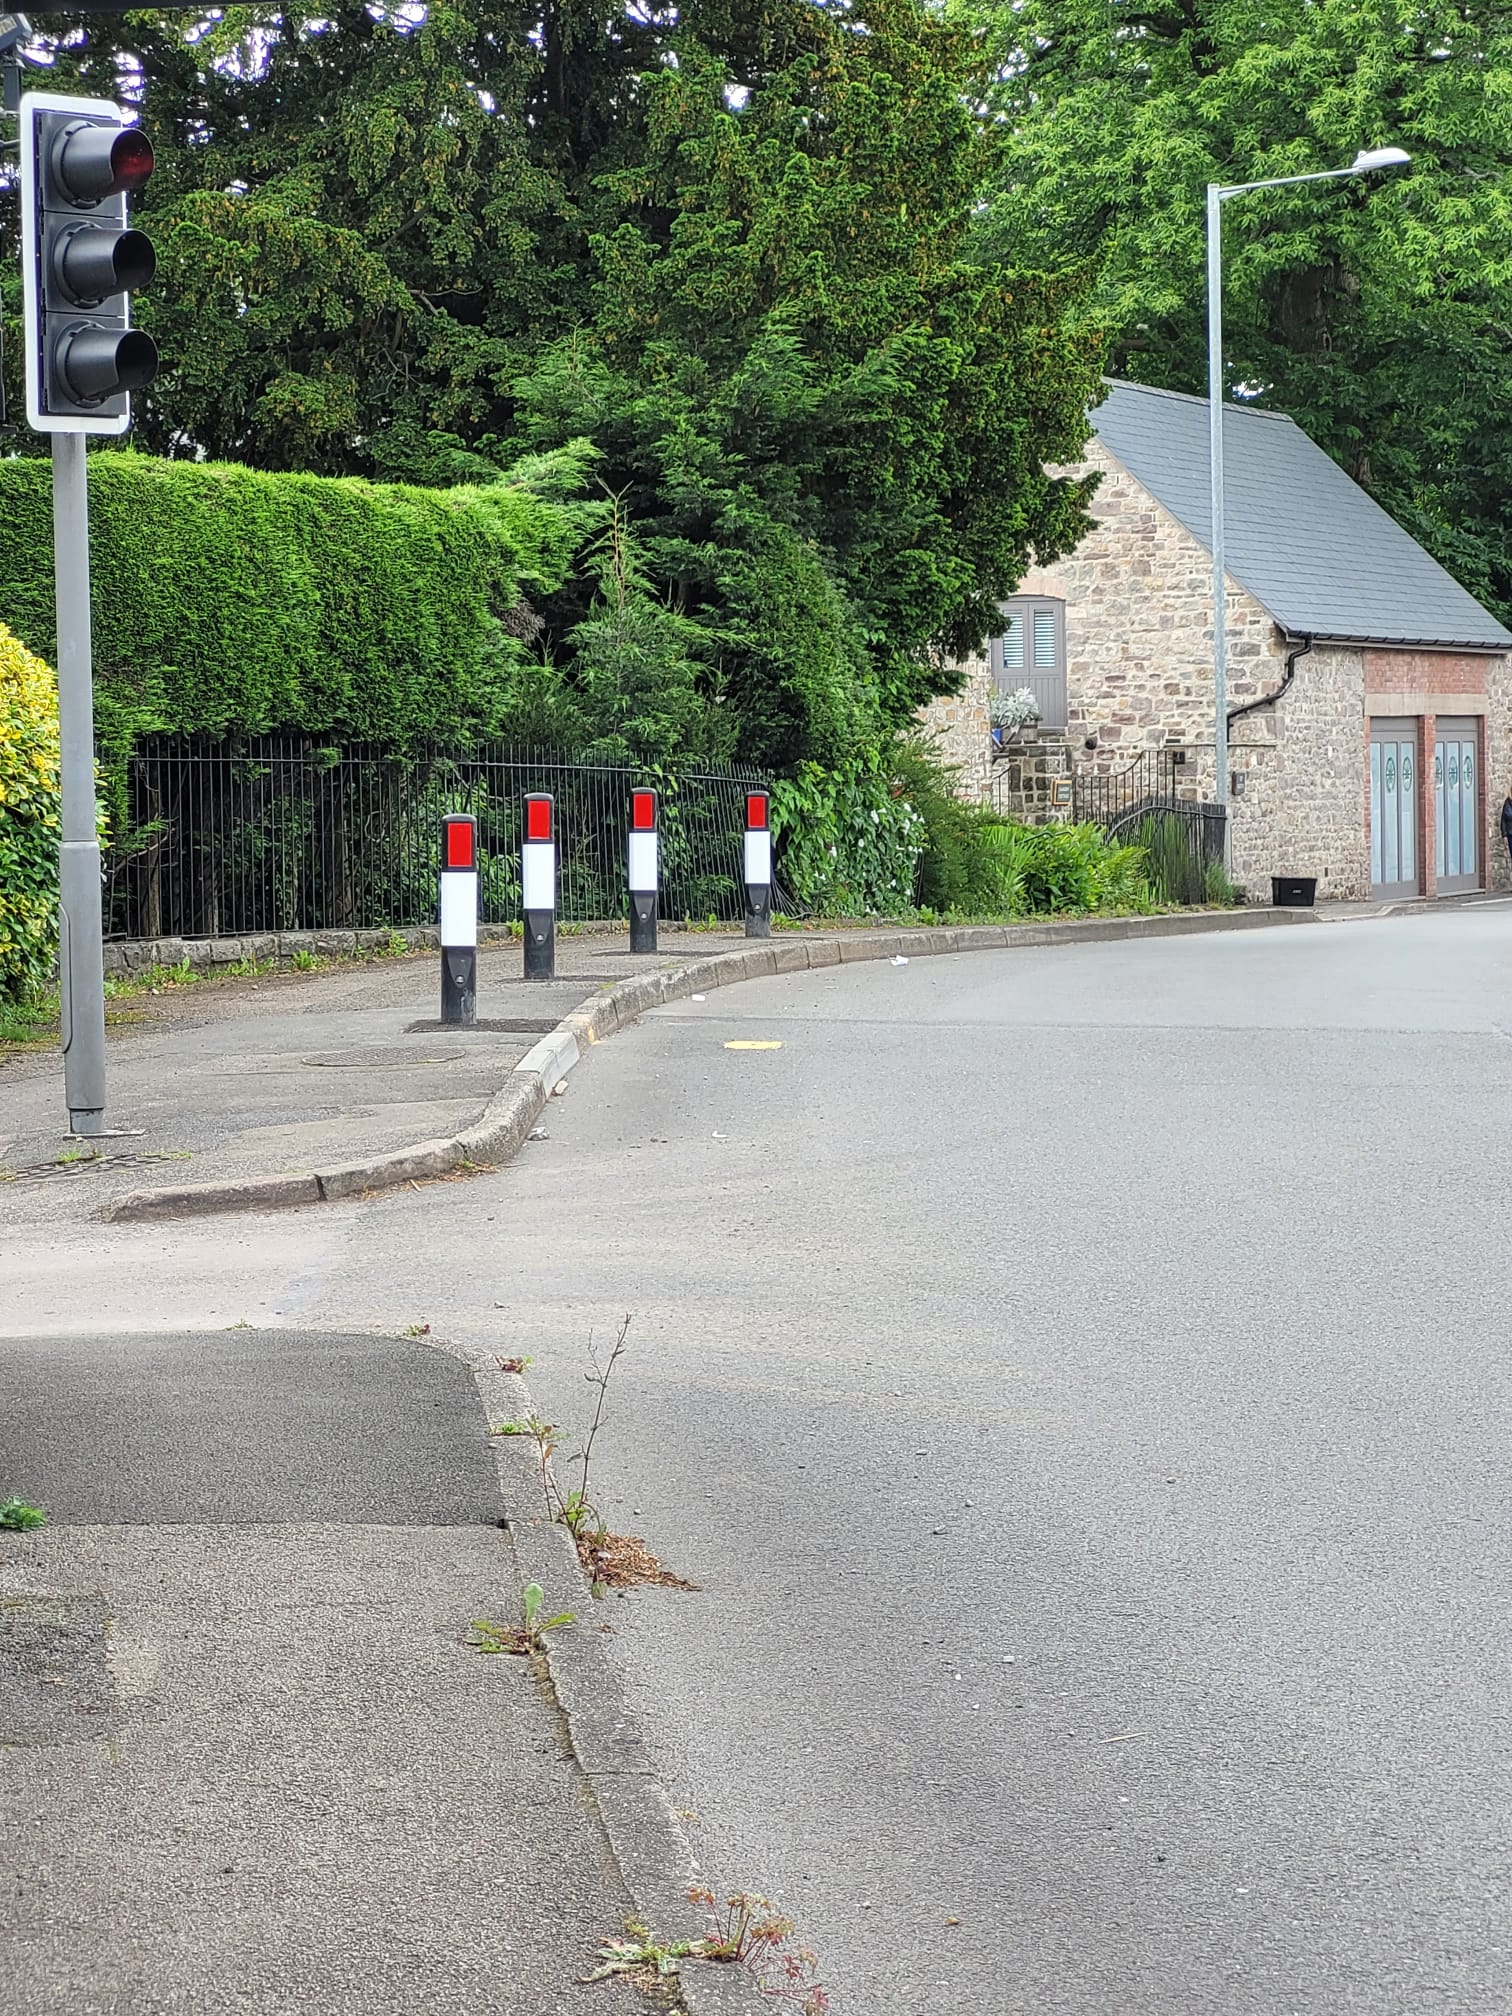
(1367, 162)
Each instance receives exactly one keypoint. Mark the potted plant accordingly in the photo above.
(1012, 713)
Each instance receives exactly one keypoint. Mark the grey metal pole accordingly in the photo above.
(80, 959)
(1215, 473)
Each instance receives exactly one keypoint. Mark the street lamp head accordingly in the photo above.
(1369, 159)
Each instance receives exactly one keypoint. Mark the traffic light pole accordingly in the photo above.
(80, 960)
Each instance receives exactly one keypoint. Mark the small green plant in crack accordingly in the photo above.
(571, 1508)
(747, 1931)
(639, 1957)
(16, 1516)
(529, 1635)
(609, 1560)
(305, 961)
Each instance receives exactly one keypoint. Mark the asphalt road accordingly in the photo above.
(1079, 1381)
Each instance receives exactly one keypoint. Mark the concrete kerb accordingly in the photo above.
(650, 1846)
(509, 1116)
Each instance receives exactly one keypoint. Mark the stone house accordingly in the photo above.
(1370, 695)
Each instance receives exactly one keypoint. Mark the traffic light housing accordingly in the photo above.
(81, 264)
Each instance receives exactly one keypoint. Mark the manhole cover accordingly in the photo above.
(82, 1165)
(490, 1025)
(382, 1060)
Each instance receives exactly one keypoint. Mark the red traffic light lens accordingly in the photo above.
(130, 159)
(93, 159)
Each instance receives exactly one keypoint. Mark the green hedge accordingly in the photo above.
(232, 600)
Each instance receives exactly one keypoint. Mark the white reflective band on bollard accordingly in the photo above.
(538, 875)
(643, 865)
(758, 859)
(459, 907)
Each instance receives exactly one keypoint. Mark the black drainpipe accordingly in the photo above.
(1300, 651)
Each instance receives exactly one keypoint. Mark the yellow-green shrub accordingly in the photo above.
(30, 818)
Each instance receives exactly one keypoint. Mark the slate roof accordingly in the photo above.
(1309, 544)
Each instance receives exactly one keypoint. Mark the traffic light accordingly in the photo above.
(81, 264)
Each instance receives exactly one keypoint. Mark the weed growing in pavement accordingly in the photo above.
(640, 1958)
(609, 1560)
(573, 1509)
(16, 1516)
(305, 961)
(153, 980)
(750, 1932)
(529, 1635)
(543, 1434)
(747, 1931)
(599, 1378)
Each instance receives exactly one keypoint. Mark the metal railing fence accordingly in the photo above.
(284, 834)
(1143, 803)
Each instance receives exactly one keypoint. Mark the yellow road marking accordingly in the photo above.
(753, 1046)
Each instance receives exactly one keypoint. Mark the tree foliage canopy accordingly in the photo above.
(722, 242)
(1377, 311)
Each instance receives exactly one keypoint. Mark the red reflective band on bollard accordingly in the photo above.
(538, 818)
(459, 843)
(643, 811)
(756, 811)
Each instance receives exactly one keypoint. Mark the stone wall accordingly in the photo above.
(960, 728)
(1139, 644)
(1023, 778)
(1301, 776)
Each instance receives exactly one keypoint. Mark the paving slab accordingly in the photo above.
(248, 1761)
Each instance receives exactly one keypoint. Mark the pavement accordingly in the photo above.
(247, 1758)
(1068, 1373)
(239, 1080)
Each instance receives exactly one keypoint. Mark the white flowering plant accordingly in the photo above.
(849, 841)
(1015, 710)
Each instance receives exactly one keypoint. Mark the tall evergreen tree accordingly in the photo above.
(723, 242)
